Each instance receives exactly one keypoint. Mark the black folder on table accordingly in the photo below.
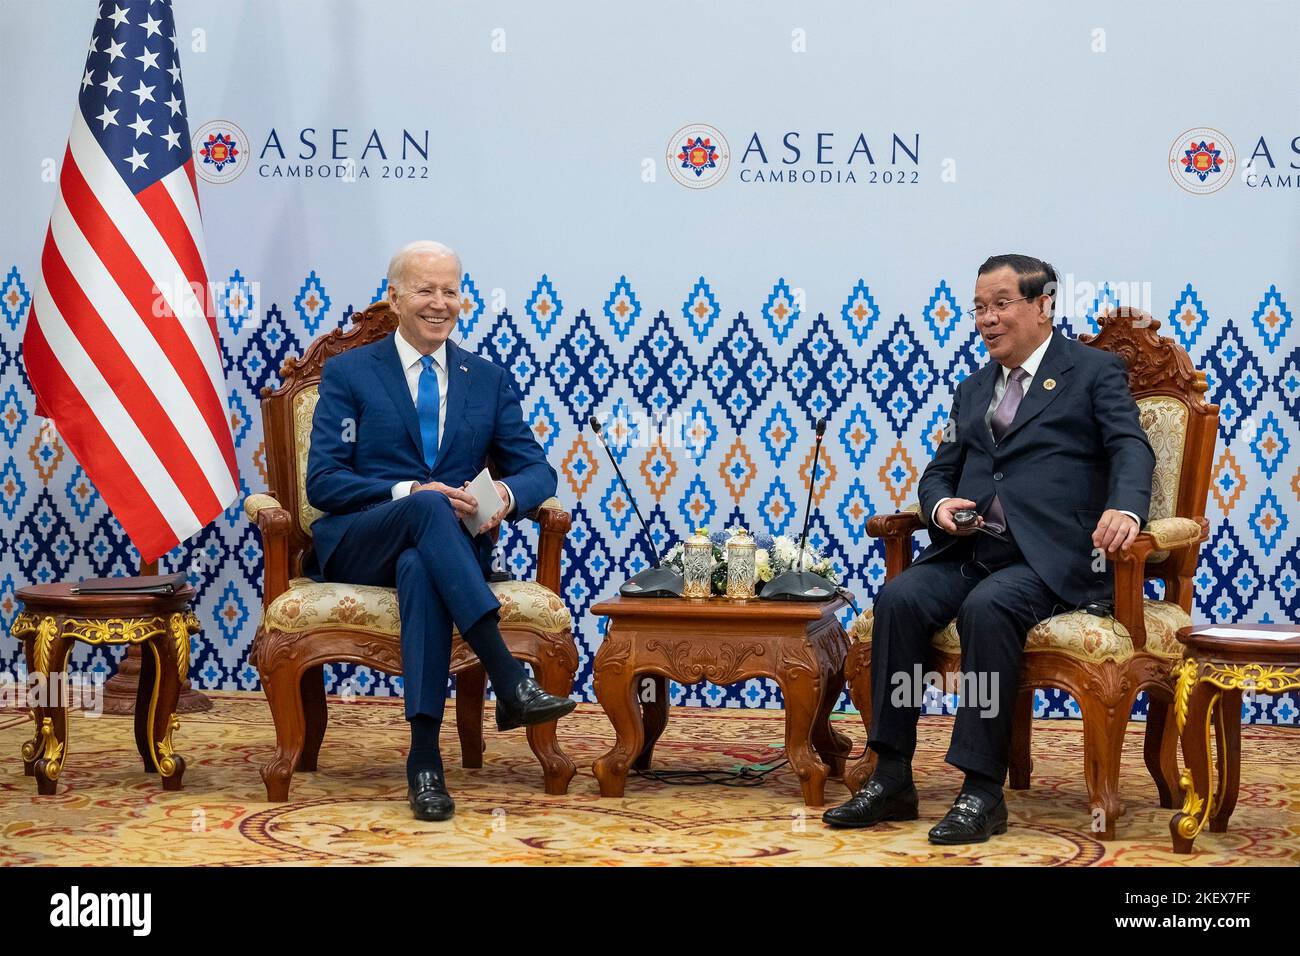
(139, 584)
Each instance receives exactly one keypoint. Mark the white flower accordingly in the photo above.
(785, 551)
(762, 557)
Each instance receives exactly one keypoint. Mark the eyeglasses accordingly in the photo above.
(997, 307)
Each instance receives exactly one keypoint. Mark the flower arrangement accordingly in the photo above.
(774, 555)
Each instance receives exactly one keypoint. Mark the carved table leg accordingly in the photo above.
(471, 684)
(615, 686)
(167, 691)
(554, 672)
(146, 678)
(1198, 798)
(1227, 725)
(47, 751)
(802, 703)
(32, 747)
(652, 692)
(831, 745)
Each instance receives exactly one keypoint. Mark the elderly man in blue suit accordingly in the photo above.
(1046, 454)
(401, 428)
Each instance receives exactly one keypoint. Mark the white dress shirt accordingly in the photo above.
(1030, 367)
(413, 368)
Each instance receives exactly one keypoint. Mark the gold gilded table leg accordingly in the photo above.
(24, 629)
(47, 655)
(1208, 697)
(1197, 702)
(1227, 728)
(162, 708)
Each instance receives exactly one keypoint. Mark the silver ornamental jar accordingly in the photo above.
(697, 562)
(741, 569)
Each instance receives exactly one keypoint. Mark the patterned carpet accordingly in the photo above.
(353, 809)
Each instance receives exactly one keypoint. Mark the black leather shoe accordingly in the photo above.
(531, 705)
(429, 798)
(972, 819)
(871, 805)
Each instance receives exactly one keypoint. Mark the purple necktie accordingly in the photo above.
(1001, 421)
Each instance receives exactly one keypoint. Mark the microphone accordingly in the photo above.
(798, 584)
(658, 581)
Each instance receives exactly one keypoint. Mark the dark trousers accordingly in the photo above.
(995, 597)
(418, 544)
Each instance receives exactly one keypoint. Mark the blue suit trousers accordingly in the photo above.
(418, 545)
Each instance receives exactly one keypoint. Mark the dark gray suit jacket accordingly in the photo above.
(1073, 451)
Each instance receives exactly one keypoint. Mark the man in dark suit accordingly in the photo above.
(1044, 444)
(401, 428)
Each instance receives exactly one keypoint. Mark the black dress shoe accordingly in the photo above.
(531, 705)
(871, 805)
(429, 798)
(972, 819)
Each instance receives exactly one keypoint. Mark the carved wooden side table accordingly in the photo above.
(53, 617)
(800, 645)
(1214, 673)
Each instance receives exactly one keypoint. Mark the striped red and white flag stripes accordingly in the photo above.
(123, 354)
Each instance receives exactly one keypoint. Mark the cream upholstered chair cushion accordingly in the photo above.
(1164, 419)
(1077, 634)
(309, 604)
(304, 406)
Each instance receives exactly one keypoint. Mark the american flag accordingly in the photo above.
(121, 346)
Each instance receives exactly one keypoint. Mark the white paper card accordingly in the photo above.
(484, 490)
(1245, 634)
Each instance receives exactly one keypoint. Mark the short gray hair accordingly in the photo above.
(423, 247)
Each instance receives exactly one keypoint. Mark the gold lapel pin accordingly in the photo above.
(1049, 384)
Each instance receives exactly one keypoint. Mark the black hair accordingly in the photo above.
(1037, 276)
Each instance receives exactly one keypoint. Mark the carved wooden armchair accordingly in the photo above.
(306, 624)
(1102, 662)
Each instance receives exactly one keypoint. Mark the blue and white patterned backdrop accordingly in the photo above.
(737, 314)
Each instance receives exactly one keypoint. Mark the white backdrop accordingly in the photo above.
(1040, 128)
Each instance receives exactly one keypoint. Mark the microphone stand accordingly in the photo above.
(798, 584)
(657, 581)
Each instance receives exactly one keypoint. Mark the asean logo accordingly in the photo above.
(698, 156)
(1202, 160)
(220, 151)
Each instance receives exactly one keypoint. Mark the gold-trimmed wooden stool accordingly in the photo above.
(1213, 675)
(53, 617)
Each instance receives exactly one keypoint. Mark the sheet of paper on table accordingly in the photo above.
(1247, 634)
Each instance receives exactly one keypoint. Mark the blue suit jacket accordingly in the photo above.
(1072, 451)
(365, 438)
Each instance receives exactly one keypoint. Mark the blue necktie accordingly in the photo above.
(426, 406)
